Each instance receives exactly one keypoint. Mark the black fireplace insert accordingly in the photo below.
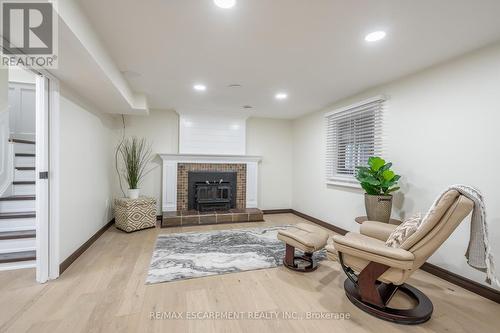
(211, 190)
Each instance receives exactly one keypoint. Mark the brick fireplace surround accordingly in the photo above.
(176, 168)
(183, 170)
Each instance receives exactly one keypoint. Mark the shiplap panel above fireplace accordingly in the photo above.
(212, 135)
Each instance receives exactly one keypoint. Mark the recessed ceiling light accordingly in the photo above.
(225, 3)
(247, 107)
(200, 87)
(281, 96)
(375, 36)
(234, 85)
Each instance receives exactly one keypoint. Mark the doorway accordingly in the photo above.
(25, 235)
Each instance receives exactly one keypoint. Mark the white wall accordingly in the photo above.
(208, 134)
(18, 74)
(161, 129)
(272, 139)
(85, 172)
(442, 127)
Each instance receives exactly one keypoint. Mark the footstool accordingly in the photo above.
(305, 237)
(135, 214)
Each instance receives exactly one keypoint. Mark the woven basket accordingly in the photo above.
(378, 207)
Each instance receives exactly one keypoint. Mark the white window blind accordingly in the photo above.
(353, 134)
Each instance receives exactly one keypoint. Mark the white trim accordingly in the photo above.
(54, 167)
(343, 183)
(169, 188)
(42, 185)
(358, 104)
(252, 185)
(197, 158)
(52, 226)
(169, 175)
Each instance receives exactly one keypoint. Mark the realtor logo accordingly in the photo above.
(28, 31)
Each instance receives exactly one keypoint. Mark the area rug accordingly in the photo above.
(193, 255)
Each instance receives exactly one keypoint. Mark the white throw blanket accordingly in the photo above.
(478, 253)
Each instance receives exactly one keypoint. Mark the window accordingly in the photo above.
(353, 134)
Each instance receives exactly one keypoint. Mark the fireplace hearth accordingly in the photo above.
(210, 191)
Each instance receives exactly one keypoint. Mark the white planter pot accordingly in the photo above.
(133, 193)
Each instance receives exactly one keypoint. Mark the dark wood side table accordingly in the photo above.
(361, 219)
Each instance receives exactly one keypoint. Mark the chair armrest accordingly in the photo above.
(378, 230)
(371, 249)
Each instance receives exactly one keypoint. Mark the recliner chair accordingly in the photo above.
(376, 272)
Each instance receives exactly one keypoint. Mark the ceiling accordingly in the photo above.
(78, 70)
(313, 50)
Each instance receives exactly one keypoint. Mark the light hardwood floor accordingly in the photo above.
(104, 291)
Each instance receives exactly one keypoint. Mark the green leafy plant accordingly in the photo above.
(136, 156)
(377, 178)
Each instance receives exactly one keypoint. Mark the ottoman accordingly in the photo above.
(135, 214)
(305, 237)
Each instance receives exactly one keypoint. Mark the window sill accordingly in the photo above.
(343, 183)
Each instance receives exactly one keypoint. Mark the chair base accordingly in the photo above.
(421, 313)
(290, 260)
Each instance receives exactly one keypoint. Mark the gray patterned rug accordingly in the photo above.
(192, 255)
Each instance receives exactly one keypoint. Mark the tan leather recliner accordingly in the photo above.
(375, 271)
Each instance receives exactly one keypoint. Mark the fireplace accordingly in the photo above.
(211, 190)
(176, 168)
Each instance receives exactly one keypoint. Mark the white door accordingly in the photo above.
(22, 103)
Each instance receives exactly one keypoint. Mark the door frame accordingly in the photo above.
(47, 190)
(54, 169)
(42, 183)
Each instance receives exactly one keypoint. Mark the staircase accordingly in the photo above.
(17, 211)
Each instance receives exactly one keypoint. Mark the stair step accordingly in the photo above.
(24, 182)
(29, 142)
(24, 220)
(24, 161)
(24, 168)
(24, 149)
(17, 215)
(17, 203)
(17, 234)
(12, 245)
(23, 189)
(18, 197)
(25, 155)
(17, 256)
(24, 175)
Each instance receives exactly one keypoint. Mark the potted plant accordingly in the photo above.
(136, 156)
(379, 181)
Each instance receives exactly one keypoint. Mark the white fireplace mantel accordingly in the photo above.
(170, 165)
